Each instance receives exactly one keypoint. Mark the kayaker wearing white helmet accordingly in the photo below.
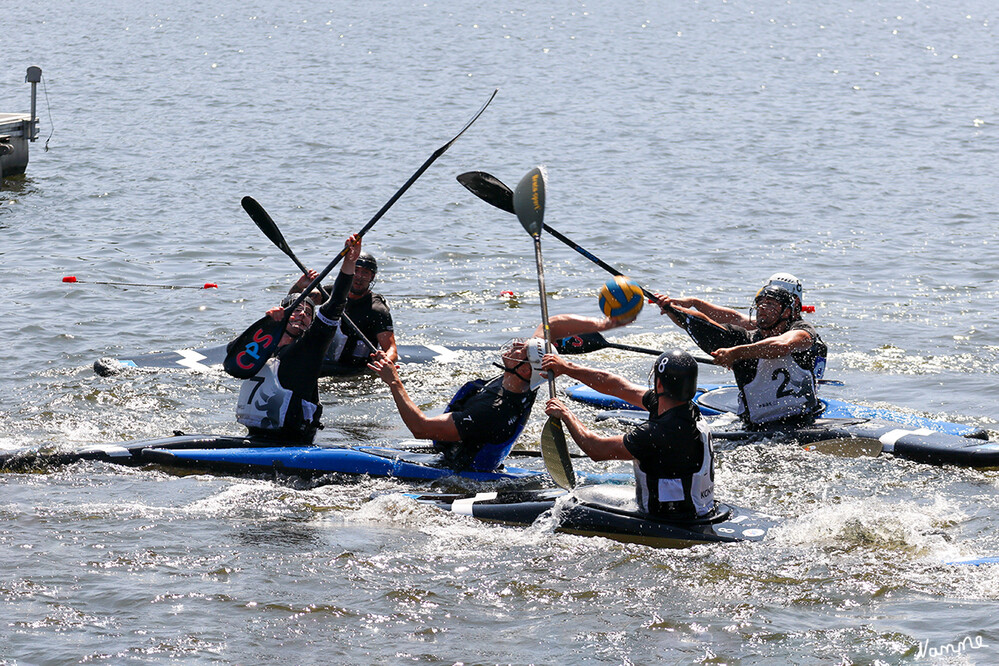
(485, 417)
(777, 357)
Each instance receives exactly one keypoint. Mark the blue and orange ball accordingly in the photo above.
(621, 298)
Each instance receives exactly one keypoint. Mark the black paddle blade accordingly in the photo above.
(265, 223)
(529, 201)
(555, 453)
(580, 344)
(248, 353)
(489, 189)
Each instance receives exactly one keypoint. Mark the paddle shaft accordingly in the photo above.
(388, 204)
(544, 311)
(270, 228)
(529, 206)
(258, 352)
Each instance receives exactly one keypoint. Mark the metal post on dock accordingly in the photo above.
(34, 76)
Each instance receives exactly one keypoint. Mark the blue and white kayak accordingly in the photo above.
(919, 442)
(397, 461)
(714, 400)
(211, 358)
(605, 510)
(309, 461)
(119, 453)
(975, 562)
(408, 459)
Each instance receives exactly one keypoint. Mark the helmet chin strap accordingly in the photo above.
(513, 370)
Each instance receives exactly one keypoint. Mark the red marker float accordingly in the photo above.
(207, 285)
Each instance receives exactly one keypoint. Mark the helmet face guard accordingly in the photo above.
(789, 303)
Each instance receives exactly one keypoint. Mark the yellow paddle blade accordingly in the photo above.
(555, 452)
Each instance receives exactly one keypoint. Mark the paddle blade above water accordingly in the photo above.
(489, 189)
(248, 353)
(555, 452)
(529, 201)
(265, 223)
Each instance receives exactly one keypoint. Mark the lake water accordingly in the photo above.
(699, 146)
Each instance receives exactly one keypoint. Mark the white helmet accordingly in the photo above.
(535, 352)
(787, 282)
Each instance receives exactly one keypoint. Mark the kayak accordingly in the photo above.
(714, 400)
(121, 453)
(975, 562)
(211, 358)
(409, 459)
(610, 511)
(917, 442)
(309, 461)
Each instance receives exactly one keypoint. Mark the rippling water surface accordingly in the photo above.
(698, 146)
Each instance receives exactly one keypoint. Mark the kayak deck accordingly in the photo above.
(210, 358)
(406, 459)
(714, 400)
(922, 440)
(308, 461)
(608, 511)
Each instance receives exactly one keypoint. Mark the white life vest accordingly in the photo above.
(702, 487)
(339, 340)
(263, 402)
(780, 389)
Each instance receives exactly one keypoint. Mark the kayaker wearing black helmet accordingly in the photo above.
(281, 401)
(777, 357)
(368, 311)
(671, 452)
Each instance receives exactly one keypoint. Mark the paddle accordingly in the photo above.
(488, 188)
(584, 343)
(529, 205)
(251, 350)
(267, 225)
(491, 190)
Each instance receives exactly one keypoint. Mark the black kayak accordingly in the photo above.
(605, 510)
(210, 358)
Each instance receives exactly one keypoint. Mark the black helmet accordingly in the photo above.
(365, 260)
(677, 372)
